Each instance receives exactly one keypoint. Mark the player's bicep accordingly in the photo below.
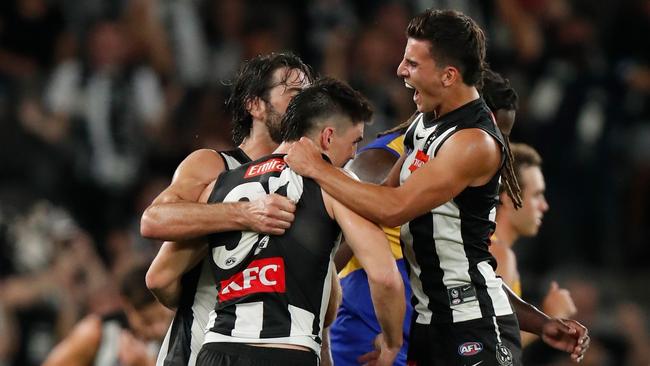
(367, 241)
(468, 158)
(192, 176)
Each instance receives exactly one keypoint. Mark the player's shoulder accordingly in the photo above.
(472, 143)
(202, 156)
(203, 165)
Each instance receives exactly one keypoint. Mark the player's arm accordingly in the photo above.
(80, 347)
(563, 334)
(373, 166)
(470, 157)
(371, 247)
(176, 214)
(172, 261)
(506, 263)
(336, 295)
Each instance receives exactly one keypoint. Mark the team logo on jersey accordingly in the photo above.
(264, 242)
(272, 165)
(470, 348)
(262, 275)
(420, 159)
(504, 356)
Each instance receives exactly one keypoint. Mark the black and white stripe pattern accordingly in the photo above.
(185, 336)
(273, 289)
(451, 269)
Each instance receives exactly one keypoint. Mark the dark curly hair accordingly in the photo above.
(254, 81)
(455, 40)
(326, 97)
(497, 92)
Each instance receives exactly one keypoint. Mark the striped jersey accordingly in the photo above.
(184, 338)
(272, 289)
(451, 270)
(108, 350)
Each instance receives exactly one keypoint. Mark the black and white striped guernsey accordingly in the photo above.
(273, 289)
(451, 269)
(186, 332)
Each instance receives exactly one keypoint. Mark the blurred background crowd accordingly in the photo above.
(101, 99)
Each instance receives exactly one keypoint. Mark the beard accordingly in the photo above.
(273, 122)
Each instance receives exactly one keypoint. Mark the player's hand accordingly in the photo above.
(133, 352)
(568, 336)
(272, 214)
(304, 158)
(558, 302)
(382, 355)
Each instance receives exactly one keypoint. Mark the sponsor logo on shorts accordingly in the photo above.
(271, 165)
(262, 275)
(470, 348)
(504, 356)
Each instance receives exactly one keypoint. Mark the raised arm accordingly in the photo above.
(469, 157)
(370, 246)
(180, 212)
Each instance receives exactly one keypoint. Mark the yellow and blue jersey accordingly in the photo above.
(356, 326)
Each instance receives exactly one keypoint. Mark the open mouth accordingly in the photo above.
(416, 93)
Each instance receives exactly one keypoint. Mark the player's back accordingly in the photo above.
(272, 289)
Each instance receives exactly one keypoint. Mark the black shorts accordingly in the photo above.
(478, 342)
(237, 354)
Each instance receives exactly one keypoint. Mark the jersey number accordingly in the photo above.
(238, 245)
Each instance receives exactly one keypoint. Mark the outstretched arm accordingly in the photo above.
(470, 157)
(562, 334)
(371, 247)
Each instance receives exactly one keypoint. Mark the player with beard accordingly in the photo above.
(180, 216)
(273, 290)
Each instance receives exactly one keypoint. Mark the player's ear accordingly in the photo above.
(326, 138)
(256, 107)
(450, 76)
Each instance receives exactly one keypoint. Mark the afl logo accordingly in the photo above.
(230, 261)
(470, 348)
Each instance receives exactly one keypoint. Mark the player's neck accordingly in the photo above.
(506, 233)
(456, 98)
(259, 143)
(283, 148)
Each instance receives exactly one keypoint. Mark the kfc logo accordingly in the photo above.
(420, 159)
(272, 165)
(262, 275)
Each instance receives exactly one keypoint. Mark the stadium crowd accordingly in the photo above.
(100, 101)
